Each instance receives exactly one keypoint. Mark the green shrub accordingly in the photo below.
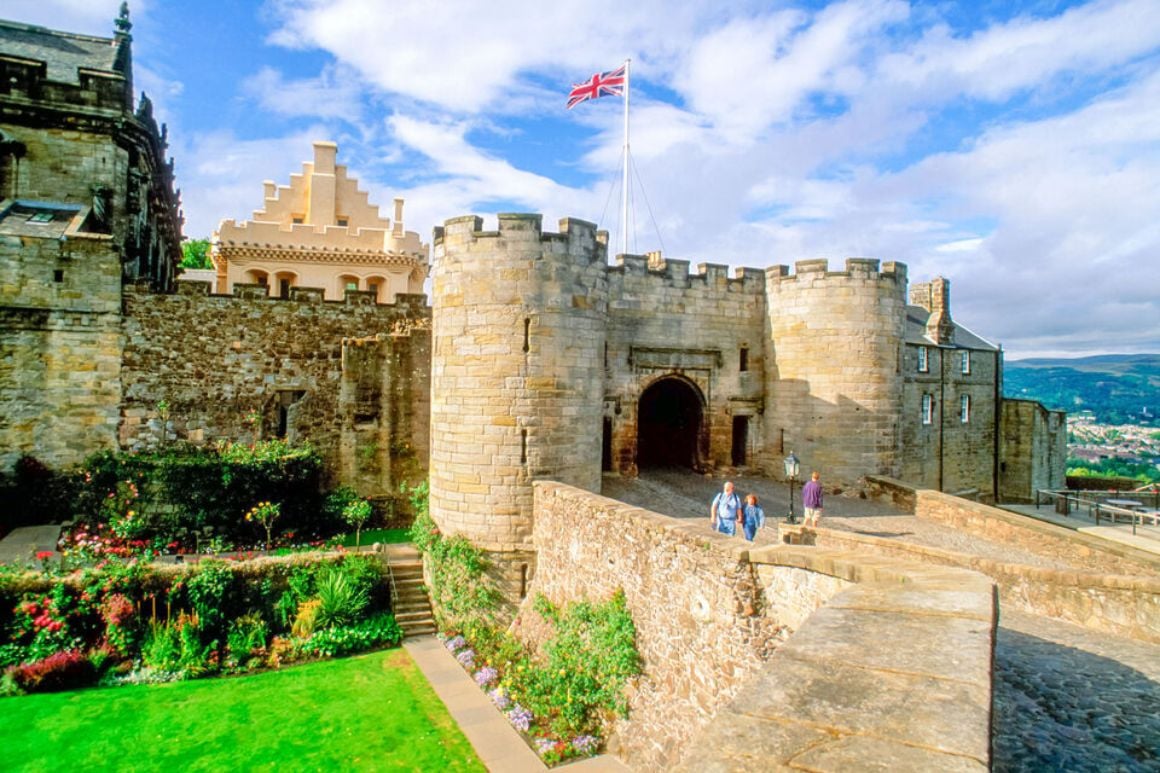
(162, 648)
(248, 634)
(341, 601)
(376, 631)
(207, 591)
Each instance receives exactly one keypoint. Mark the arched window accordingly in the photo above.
(284, 280)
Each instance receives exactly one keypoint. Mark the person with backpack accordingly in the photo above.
(725, 511)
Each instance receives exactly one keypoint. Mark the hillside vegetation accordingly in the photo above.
(1116, 388)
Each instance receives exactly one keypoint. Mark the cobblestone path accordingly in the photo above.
(1070, 699)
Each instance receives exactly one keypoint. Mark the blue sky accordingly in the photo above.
(1012, 147)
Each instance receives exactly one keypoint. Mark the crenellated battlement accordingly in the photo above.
(670, 272)
(578, 240)
(856, 268)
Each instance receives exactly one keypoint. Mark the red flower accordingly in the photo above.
(43, 555)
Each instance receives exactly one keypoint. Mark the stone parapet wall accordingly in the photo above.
(710, 614)
(1045, 539)
(693, 599)
(892, 673)
(1126, 605)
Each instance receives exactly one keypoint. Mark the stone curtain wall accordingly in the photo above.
(218, 359)
(693, 598)
(60, 348)
(713, 618)
(833, 376)
(664, 320)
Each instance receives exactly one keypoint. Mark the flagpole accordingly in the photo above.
(624, 183)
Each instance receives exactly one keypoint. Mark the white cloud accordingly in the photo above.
(335, 93)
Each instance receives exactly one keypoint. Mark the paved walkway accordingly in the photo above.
(22, 544)
(496, 742)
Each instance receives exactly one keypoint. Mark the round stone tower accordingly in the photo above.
(833, 375)
(517, 377)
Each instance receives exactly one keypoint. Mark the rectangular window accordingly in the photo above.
(965, 409)
(927, 409)
(296, 220)
(342, 221)
(284, 291)
(743, 364)
(965, 362)
(923, 362)
(352, 285)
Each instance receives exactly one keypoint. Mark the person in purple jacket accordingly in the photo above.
(812, 500)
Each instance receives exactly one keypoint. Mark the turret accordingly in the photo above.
(519, 322)
(834, 381)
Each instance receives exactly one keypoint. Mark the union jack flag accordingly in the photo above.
(602, 84)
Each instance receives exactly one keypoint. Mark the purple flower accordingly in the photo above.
(544, 745)
(466, 658)
(585, 744)
(499, 698)
(520, 718)
(456, 643)
(486, 676)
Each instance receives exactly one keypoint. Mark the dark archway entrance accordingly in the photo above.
(668, 427)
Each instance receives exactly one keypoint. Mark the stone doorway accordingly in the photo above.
(669, 425)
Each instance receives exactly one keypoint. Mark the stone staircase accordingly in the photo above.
(412, 605)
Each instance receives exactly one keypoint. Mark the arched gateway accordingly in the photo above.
(670, 420)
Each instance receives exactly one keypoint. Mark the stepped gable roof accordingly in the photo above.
(916, 332)
(62, 52)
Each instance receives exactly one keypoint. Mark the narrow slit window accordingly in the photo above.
(965, 409)
(965, 363)
(523, 446)
(527, 334)
(923, 361)
(927, 409)
(743, 360)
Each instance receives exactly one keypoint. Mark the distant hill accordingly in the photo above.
(1117, 388)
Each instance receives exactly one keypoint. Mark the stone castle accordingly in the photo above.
(536, 359)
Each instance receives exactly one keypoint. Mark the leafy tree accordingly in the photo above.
(195, 254)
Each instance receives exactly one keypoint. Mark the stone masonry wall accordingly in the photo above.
(1032, 451)
(692, 597)
(1044, 539)
(60, 348)
(517, 375)
(219, 360)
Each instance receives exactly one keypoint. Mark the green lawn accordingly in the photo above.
(381, 536)
(368, 712)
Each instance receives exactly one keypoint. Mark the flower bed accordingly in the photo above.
(563, 697)
(127, 621)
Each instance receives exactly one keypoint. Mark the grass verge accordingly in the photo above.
(368, 712)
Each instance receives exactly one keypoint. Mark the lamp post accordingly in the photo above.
(792, 468)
